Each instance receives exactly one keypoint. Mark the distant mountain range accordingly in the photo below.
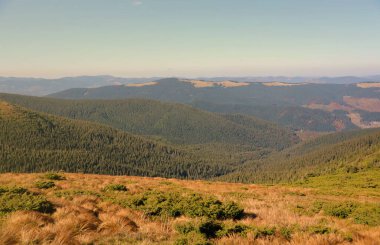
(41, 86)
(299, 79)
(301, 106)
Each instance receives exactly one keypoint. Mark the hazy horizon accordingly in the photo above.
(200, 38)
(190, 77)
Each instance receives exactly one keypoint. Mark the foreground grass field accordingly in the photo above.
(95, 209)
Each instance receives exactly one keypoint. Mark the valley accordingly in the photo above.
(191, 162)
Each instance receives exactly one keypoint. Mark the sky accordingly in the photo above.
(189, 38)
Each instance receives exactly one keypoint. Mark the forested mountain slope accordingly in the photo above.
(316, 107)
(296, 117)
(37, 142)
(348, 151)
(176, 123)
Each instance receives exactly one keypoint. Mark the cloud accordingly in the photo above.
(137, 2)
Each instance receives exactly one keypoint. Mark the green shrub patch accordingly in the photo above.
(361, 213)
(14, 199)
(115, 187)
(44, 184)
(54, 176)
(174, 204)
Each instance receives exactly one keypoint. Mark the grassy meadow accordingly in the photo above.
(95, 209)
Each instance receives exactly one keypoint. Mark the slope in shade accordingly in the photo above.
(35, 142)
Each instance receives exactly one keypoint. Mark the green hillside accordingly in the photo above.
(175, 123)
(349, 151)
(37, 142)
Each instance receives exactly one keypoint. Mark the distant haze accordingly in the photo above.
(41, 86)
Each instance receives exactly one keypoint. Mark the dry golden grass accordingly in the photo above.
(141, 84)
(333, 106)
(366, 104)
(281, 84)
(357, 120)
(6, 108)
(368, 85)
(207, 84)
(86, 219)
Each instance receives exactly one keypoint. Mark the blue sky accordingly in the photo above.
(52, 38)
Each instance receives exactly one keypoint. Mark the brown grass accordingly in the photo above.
(281, 84)
(141, 84)
(368, 85)
(357, 120)
(366, 104)
(6, 108)
(86, 219)
(333, 106)
(207, 84)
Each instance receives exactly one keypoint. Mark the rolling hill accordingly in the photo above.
(174, 123)
(36, 142)
(351, 151)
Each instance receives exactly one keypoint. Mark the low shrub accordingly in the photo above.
(361, 213)
(185, 228)
(233, 229)
(319, 229)
(115, 187)
(264, 232)
(173, 204)
(14, 190)
(286, 232)
(192, 238)
(70, 194)
(54, 176)
(340, 210)
(14, 199)
(210, 228)
(367, 214)
(348, 237)
(44, 184)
